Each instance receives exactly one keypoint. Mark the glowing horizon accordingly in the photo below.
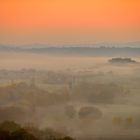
(59, 21)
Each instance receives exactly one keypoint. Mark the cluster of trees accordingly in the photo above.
(12, 131)
(128, 121)
(98, 93)
(85, 112)
(30, 94)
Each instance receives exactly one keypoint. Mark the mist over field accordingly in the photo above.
(84, 97)
(69, 69)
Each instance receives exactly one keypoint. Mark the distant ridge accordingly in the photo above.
(116, 50)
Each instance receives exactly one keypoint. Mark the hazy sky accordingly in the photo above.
(69, 21)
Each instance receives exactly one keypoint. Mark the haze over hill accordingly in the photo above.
(103, 49)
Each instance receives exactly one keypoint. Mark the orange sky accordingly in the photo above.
(60, 21)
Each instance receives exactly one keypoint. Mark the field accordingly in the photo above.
(84, 97)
